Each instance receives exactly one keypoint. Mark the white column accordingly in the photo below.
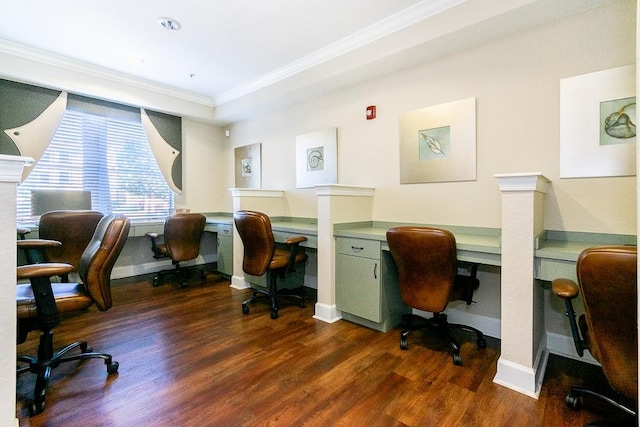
(523, 355)
(270, 202)
(336, 204)
(11, 168)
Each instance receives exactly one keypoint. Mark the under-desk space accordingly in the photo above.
(367, 291)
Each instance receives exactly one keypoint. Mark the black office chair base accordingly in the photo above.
(271, 297)
(181, 273)
(440, 325)
(47, 360)
(574, 401)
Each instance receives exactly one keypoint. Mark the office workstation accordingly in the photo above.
(518, 218)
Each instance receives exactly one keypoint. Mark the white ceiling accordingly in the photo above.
(237, 54)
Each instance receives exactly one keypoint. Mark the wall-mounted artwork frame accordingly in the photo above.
(248, 166)
(597, 124)
(438, 143)
(317, 158)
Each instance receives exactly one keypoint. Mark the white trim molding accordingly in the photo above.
(11, 167)
(522, 379)
(255, 192)
(344, 190)
(327, 313)
(533, 181)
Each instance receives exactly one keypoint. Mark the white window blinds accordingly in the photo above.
(110, 158)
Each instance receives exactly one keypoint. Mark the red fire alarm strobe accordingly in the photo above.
(371, 112)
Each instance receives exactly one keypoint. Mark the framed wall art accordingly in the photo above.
(317, 158)
(248, 166)
(597, 124)
(438, 143)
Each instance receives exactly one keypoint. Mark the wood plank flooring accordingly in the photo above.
(189, 357)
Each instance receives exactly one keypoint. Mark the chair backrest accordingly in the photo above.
(255, 231)
(100, 255)
(608, 282)
(426, 261)
(74, 229)
(182, 234)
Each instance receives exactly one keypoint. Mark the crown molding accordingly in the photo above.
(48, 58)
(416, 13)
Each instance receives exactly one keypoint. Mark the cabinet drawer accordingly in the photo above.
(358, 247)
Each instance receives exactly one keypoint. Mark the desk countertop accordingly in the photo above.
(474, 244)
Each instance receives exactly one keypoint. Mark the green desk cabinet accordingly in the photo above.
(367, 290)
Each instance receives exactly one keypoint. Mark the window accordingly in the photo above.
(110, 158)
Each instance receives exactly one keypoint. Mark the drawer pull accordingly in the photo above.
(357, 249)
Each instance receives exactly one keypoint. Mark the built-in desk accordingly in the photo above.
(556, 252)
(285, 227)
(367, 291)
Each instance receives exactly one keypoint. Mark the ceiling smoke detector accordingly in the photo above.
(169, 23)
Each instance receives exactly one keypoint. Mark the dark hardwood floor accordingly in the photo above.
(189, 357)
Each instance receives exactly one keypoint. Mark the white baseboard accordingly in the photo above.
(120, 272)
(563, 346)
(522, 379)
(327, 313)
(489, 326)
(238, 282)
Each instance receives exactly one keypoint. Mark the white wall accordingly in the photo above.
(517, 85)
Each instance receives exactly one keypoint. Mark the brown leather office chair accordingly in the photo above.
(180, 241)
(40, 303)
(427, 273)
(74, 229)
(262, 256)
(607, 278)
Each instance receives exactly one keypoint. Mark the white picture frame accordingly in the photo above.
(317, 158)
(248, 166)
(586, 150)
(438, 143)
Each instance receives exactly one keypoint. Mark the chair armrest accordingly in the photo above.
(568, 290)
(295, 240)
(154, 244)
(43, 270)
(565, 288)
(37, 244)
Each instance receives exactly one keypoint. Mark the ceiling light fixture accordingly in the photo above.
(169, 23)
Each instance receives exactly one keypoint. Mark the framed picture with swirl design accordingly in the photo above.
(317, 158)
(598, 124)
(438, 143)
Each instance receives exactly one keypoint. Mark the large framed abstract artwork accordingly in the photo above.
(248, 166)
(317, 158)
(438, 143)
(597, 124)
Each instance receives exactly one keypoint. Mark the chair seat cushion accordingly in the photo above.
(69, 297)
(281, 259)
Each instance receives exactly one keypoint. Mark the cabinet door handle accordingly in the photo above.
(375, 270)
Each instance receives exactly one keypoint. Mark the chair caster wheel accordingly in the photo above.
(403, 344)
(482, 343)
(274, 314)
(457, 360)
(245, 309)
(112, 367)
(573, 402)
(34, 408)
(302, 304)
